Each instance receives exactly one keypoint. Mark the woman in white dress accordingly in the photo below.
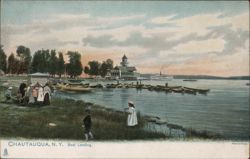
(132, 117)
(40, 94)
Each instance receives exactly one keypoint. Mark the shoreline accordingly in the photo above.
(155, 122)
(102, 117)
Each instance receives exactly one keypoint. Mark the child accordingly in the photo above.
(87, 125)
(8, 94)
(132, 117)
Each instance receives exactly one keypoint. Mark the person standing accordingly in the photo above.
(8, 94)
(22, 90)
(31, 97)
(87, 124)
(132, 117)
(22, 87)
(40, 97)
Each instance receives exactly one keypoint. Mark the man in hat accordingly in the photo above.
(132, 117)
(87, 123)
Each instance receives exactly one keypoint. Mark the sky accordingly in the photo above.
(174, 37)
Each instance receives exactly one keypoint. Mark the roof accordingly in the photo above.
(122, 68)
(39, 74)
(124, 57)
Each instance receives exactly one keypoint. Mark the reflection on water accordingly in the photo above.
(224, 110)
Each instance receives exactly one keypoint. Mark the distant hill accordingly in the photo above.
(210, 77)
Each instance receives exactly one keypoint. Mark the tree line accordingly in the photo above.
(49, 61)
(96, 68)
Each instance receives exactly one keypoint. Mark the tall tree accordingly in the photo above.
(60, 65)
(94, 68)
(24, 54)
(86, 70)
(105, 67)
(74, 67)
(36, 60)
(110, 64)
(12, 64)
(53, 60)
(3, 62)
(41, 61)
(46, 58)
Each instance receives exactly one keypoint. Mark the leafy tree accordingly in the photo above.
(16, 66)
(11, 64)
(86, 70)
(24, 54)
(3, 62)
(74, 67)
(105, 67)
(60, 65)
(41, 61)
(46, 59)
(53, 60)
(110, 63)
(36, 62)
(94, 67)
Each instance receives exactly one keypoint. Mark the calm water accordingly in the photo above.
(224, 110)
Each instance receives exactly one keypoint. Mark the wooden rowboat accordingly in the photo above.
(75, 88)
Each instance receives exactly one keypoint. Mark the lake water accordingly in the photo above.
(224, 110)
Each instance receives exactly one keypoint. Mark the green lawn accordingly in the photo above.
(33, 122)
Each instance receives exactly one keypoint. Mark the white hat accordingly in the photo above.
(87, 109)
(10, 88)
(130, 102)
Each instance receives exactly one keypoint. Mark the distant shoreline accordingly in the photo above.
(205, 77)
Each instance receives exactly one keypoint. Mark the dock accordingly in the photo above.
(158, 88)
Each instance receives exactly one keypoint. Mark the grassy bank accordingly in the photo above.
(33, 122)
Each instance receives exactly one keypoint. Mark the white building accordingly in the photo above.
(124, 71)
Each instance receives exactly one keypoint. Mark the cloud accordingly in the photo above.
(200, 47)
(162, 20)
(233, 39)
(153, 41)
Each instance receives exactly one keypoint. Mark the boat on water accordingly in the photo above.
(74, 88)
(199, 90)
(190, 80)
(161, 78)
(248, 84)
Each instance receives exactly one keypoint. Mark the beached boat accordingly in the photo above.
(75, 88)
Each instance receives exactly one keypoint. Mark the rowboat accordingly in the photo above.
(190, 80)
(75, 88)
(199, 90)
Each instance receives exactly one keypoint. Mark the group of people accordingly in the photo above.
(34, 93)
(131, 120)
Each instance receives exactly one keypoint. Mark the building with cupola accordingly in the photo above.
(124, 71)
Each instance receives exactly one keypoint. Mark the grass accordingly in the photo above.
(33, 122)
